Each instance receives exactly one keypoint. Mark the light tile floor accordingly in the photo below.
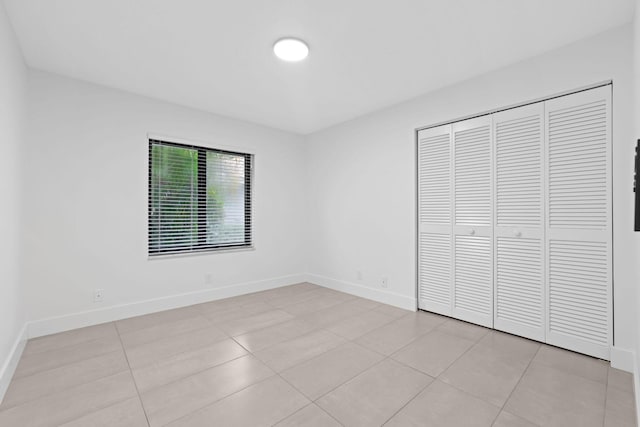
(307, 356)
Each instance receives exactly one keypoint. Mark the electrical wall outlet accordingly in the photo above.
(97, 295)
(385, 282)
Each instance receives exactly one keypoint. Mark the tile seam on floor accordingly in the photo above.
(342, 383)
(392, 319)
(30, 353)
(517, 384)
(101, 409)
(323, 410)
(476, 343)
(64, 389)
(73, 418)
(448, 366)
(300, 336)
(349, 380)
(313, 311)
(69, 364)
(194, 373)
(305, 407)
(62, 365)
(164, 324)
(172, 336)
(133, 378)
(220, 399)
(193, 349)
(383, 326)
(270, 302)
(412, 398)
(311, 401)
(434, 378)
(274, 373)
(156, 322)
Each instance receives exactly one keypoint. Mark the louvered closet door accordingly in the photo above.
(578, 129)
(472, 231)
(435, 228)
(519, 221)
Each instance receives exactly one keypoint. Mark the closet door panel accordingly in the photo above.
(473, 279)
(520, 286)
(435, 248)
(472, 242)
(519, 221)
(578, 131)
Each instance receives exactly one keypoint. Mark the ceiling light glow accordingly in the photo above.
(290, 49)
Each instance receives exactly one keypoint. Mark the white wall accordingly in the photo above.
(362, 203)
(636, 83)
(12, 115)
(85, 217)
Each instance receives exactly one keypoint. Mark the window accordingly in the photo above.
(199, 198)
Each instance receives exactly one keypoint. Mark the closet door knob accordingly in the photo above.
(472, 232)
(517, 233)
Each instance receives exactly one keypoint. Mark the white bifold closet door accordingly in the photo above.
(519, 221)
(435, 225)
(578, 221)
(472, 221)
(515, 221)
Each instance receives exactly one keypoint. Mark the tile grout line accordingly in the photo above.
(244, 388)
(517, 384)
(385, 357)
(303, 408)
(67, 388)
(412, 398)
(64, 364)
(311, 402)
(133, 378)
(350, 379)
(434, 378)
(97, 379)
(475, 343)
(222, 398)
(249, 352)
(454, 336)
(122, 348)
(71, 387)
(193, 373)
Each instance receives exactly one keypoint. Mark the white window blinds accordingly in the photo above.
(199, 198)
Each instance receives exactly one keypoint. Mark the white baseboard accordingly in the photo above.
(623, 359)
(52, 325)
(10, 364)
(378, 295)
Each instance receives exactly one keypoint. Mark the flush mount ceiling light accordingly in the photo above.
(290, 49)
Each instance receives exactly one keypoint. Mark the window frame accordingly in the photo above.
(201, 177)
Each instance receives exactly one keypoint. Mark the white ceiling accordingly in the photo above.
(216, 55)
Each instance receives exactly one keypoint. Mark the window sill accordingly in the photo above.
(199, 253)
